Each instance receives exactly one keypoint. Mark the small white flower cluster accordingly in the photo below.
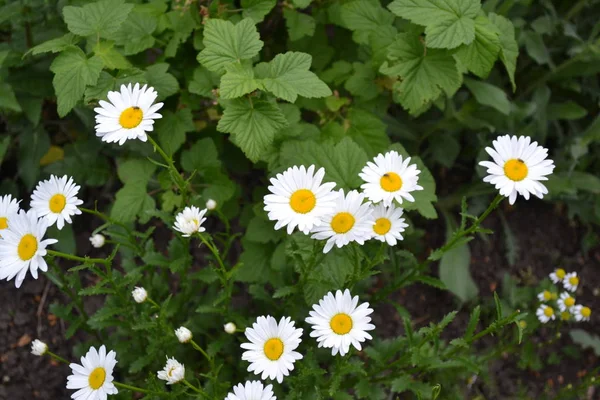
(564, 302)
(299, 198)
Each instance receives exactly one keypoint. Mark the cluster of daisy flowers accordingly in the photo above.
(551, 301)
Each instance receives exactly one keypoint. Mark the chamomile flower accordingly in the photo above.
(22, 247)
(97, 240)
(389, 225)
(337, 322)
(518, 167)
(299, 198)
(129, 114)
(544, 296)
(545, 313)
(251, 391)
(56, 200)
(173, 372)
(271, 348)
(139, 294)
(183, 334)
(390, 177)
(190, 220)
(93, 378)
(38, 348)
(581, 313)
(557, 275)
(571, 281)
(565, 302)
(350, 221)
(8, 208)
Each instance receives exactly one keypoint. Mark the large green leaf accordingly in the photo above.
(203, 155)
(367, 130)
(132, 200)
(480, 55)
(509, 49)
(172, 128)
(135, 35)
(257, 9)
(299, 24)
(364, 17)
(101, 18)
(163, 82)
(238, 81)
(489, 95)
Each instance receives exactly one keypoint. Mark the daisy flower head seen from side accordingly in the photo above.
(251, 390)
(128, 114)
(544, 296)
(93, 379)
(565, 301)
(8, 208)
(173, 372)
(571, 281)
(518, 166)
(338, 322)
(56, 200)
(388, 225)
(545, 313)
(390, 177)
(271, 348)
(22, 247)
(557, 275)
(581, 313)
(190, 221)
(299, 198)
(350, 221)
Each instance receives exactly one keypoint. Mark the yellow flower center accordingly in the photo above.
(548, 312)
(170, 373)
(382, 226)
(574, 280)
(586, 312)
(523, 324)
(515, 169)
(560, 273)
(565, 315)
(131, 117)
(3, 222)
(342, 222)
(97, 378)
(341, 323)
(547, 295)
(57, 203)
(303, 201)
(569, 301)
(390, 182)
(273, 349)
(27, 247)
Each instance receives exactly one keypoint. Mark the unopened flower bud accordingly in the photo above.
(211, 204)
(97, 240)
(230, 328)
(38, 347)
(139, 294)
(183, 334)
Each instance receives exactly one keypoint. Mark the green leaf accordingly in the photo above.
(342, 162)
(238, 81)
(509, 49)
(73, 71)
(367, 130)
(585, 340)
(287, 76)
(364, 17)
(536, 48)
(301, 3)
(182, 25)
(55, 45)
(480, 55)
(261, 231)
(226, 43)
(257, 9)
(203, 82)
(164, 83)
(425, 74)
(8, 100)
(111, 57)
(568, 110)
(299, 24)
(136, 170)
(100, 18)
(449, 23)
(252, 123)
(132, 200)
(362, 82)
(489, 95)
(135, 34)
(201, 156)
(255, 259)
(473, 321)
(172, 129)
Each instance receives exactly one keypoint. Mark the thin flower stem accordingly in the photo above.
(155, 304)
(215, 253)
(86, 260)
(205, 354)
(136, 389)
(57, 357)
(179, 181)
(194, 388)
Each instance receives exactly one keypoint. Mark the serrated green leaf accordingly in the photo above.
(287, 76)
(73, 71)
(284, 291)
(299, 24)
(252, 123)
(130, 201)
(261, 231)
(110, 56)
(202, 156)
(362, 82)
(55, 45)
(364, 17)
(136, 170)
(204, 82)
(301, 3)
(480, 55)
(172, 127)
(226, 43)
(367, 130)
(257, 9)
(473, 321)
(489, 95)
(182, 24)
(449, 23)
(101, 18)
(163, 82)
(8, 100)
(135, 35)
(509, 49)
(238, 81)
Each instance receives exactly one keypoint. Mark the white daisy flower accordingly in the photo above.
(56, 199)
(183, 334)
(349, 221)
(173, 372)
(299, 198)
(565, 302)
(571, 281)
(251, 391)
(97, 240)
(581, 313)
(518, 167)
(230, 328)
(139, 294)
(190, 220)
(22, 247)
(544, 296)
(389, 225)
(129, 115)
(93, 378)
(390, 177)
(38, 348)
(337, 322)
(545, 313)
(557, 275)
(8, 208)
(271, 347)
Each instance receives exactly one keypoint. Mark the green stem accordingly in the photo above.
(215, 253)
(136, 389)
(179, 181)
(86, 260)
(57, 357)
(197, 347)
(194, 388)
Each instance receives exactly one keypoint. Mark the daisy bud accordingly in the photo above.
(230, 328)
(139, 294)
(183, 334)
(97, 240)
(173, 372)
(211, 204)
(38, 348)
